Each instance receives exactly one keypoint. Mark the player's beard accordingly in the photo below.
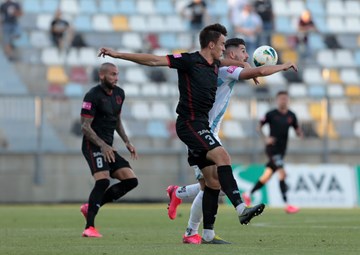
(108, 84)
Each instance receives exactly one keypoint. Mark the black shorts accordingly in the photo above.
(199, 140)
(96, 161)
(276, 157)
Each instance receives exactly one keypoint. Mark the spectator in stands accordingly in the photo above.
(306, 25)
(264, 9)
(60, 30)
(10, 11)
(78, 41)
(235, 7)
(196, 12)
(249, 27)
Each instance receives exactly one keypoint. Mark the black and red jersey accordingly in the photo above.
(279, 126)
(105, 110)
(197, 85)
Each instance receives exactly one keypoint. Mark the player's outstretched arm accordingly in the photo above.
(139, 58)
(251, 72)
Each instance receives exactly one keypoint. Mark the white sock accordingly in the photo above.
(195, 215)
(240, 208)
(208, 234)
(189, 191)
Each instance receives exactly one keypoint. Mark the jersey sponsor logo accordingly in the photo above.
(231, 69)
(97, 154)
(118, 99)
(86, 105)
(178, 55)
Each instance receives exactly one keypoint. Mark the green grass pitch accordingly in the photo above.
(145, 229)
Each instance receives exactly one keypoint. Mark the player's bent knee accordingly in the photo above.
(131, 183)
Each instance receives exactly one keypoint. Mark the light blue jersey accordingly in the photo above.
(227, 77)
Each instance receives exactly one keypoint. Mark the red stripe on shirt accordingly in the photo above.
(197, 135)
(189, 93)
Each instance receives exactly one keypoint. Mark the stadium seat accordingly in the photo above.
(344, 128)
(132, 41)
(289, 56)
(344, 58)
(349, 76)
(316, 8)
(335, 91)
(131, 89)
(275, 79)
(232, 129)
(127, 7)
(321, 24)
(335, 8)
(28, 21)
(357, 128)
(102, 23)
(136, 75)
(120, 23)
(355, 109)
(283, 24)
(169, 41)
(156, 24)
(88, 56)
(56, 75)
(297, 90)
(352, 91)
(317, 91)
(79, 75)
(138, 23)
(150, 90)
(52, 56)
(164, 7)
(326, 58)
(49, 6)
(141, 110)
(348, 41)
(69, 6)
(218, 8)
(55, 90)
(175, 23)
(239, 110)
(82, 23)
(184, 41)
(160, 110)
(280, 7)
(357, 58)
(72, 57)
(328, 130)
(335, 24)
(261, 109)
(43, 21)
(333, 76)
(316, 111)
(157, 129)
(301, 110)
(31, 6)
(108, 7)
(352, 24)
(313, 75)
(296, 7)
(145, 7)
(73, 90)
(279, 42)
(316, 41)
(88, 7)
(340, 111)
(352, 7)
(23, 41)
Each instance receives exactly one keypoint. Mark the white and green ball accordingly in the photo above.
(265, 56)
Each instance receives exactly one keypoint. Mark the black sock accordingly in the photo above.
(283, 188)
(118, 190)
(95, 198)
(257, 186)
(229, 185)
(210, 206)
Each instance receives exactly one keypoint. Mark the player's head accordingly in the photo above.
(212, 37)
(235, 48)
(282, 99)
(108, 74)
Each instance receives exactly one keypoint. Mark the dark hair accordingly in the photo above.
(105, 66)
(211, 33)
(282, 92)
(234, 42)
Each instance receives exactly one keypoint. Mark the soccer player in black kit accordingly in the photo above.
(197, 83)
(100, 117)
(279, 120)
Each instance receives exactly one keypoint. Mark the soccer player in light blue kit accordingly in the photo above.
(227, 78)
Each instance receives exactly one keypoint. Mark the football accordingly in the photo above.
(265, 56)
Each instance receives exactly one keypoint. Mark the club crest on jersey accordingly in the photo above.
(178, 55)
(118, 99)
(86, 105)
(231, 69)
(204, 131)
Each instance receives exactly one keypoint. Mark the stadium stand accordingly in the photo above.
(331, 74)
